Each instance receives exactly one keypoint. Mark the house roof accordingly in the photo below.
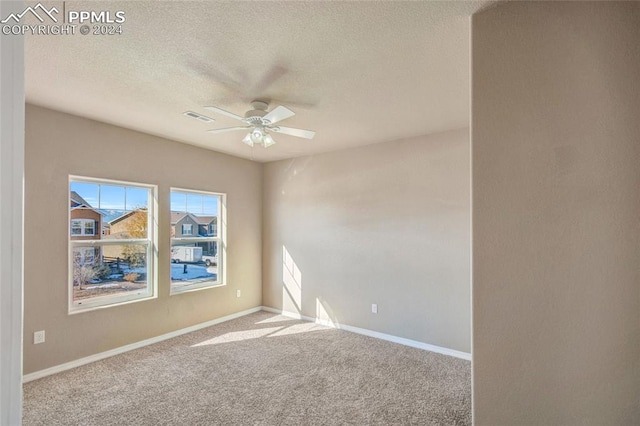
(76, 200)
(125, 215)
(205, 220)
(177, 217)
(200, 220)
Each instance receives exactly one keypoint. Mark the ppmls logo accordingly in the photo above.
(34, 11)
(103, 22)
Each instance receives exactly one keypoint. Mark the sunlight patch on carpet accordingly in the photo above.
(237, 336)
(299, 328)
(277, 318)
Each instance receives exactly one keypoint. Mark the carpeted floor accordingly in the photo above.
(261, 369)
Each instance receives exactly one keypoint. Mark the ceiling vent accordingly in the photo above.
(199, 117)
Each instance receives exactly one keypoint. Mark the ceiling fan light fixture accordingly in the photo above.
(248, 140)
(267, 141)
(256, 136)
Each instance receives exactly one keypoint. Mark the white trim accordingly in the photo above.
(473, 394)
(376, 334)
(12, 124)
(122, 349)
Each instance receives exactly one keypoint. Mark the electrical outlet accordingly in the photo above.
(374, 308)
(38, 337)
(238, 293)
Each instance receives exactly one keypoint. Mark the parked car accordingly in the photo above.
(210, 260)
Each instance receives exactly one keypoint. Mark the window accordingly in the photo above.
(197, 240)
(84, 255)
(83, 227)
(89, 228)
(111, 243)
(76, 227)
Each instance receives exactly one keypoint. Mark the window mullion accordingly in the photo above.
(114, 242)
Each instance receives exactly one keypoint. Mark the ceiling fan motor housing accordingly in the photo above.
(255, 120)
(255, 115)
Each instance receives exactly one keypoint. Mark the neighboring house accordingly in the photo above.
(207, 225)
(86, 224)
(184, 225)
(190, 225)
(128, 225)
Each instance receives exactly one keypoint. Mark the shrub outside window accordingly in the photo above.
(197, 240)
(111, 242)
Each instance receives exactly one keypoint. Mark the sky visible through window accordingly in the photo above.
(112, 199)
(198, 204)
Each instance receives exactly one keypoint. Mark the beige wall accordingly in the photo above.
(57, 145)
(386, 224)
(556, 214)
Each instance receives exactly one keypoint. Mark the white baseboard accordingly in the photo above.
(371, 333)
(82, 361)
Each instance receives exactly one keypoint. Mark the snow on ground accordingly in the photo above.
(101, 286)
(177, 273)
(193, 272)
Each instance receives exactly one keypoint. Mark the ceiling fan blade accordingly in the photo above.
(223, 112)
(228, 129)
(206, 70)
(279, 113)
(269, 78)
(307, 134)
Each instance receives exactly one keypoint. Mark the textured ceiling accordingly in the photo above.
(355, 72)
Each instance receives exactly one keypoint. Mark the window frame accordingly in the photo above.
(219, 239)
(151, 243)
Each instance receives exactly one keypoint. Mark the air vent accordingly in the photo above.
(199, 117)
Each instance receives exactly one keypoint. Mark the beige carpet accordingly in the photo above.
(261, 369)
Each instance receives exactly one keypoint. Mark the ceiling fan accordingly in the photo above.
(261, 123)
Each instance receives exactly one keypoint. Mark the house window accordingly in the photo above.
(84, 255)
(89, 227)
(76, 227)
(83, 227)
(110, 268)
(197, 245)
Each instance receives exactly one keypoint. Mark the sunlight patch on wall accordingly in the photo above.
(238, 336)
(324, 314)
(292, 284)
